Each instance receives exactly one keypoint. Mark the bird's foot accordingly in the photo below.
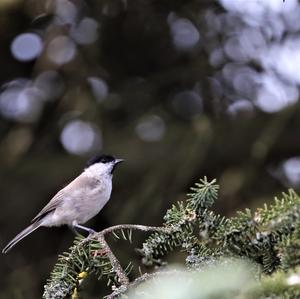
(87, 229)
(91, 231)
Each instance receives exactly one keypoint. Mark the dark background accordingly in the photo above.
(179, 89)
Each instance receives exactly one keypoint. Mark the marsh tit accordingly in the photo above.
(78, 202)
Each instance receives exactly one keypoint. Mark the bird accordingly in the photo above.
(79, 201)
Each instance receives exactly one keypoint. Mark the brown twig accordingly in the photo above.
(144, 228)
(132, 285)
(122, 277)
(117, 268)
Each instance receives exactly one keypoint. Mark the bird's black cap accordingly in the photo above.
(100, 158)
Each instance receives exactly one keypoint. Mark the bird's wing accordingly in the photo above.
(52, 205)
(81, 182)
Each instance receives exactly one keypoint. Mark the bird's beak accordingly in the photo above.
(117, 161)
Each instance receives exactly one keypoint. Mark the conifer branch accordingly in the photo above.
(116, 266)
(268, 237)
(143, 278)
(144, 228)
(89, 255)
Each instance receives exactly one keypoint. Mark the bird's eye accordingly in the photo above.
(106, 159)
(100, 159)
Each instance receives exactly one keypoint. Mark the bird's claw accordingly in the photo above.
(91, 231)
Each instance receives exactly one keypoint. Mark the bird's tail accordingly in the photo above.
(28, 230)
